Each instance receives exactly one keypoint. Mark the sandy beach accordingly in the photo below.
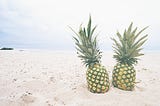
(57, 78)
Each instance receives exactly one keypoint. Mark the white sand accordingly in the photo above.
(47, 78)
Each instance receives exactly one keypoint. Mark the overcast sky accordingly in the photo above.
(43, 24)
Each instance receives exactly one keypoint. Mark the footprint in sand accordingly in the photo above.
(140, 88)
(28, 98)
(56, 99)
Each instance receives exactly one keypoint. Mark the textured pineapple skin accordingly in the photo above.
(97, 79)
(124, 77)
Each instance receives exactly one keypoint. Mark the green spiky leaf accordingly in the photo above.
(86, 44)
(128, 46)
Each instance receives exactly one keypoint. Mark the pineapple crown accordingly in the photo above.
(128, 48)
(86, 45)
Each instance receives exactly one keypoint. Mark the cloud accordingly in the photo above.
(43, 23)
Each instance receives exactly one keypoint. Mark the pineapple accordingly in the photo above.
(127, 49)
(88, 51)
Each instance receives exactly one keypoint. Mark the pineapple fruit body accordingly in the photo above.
(97, 79)
(124, 77)
(127, 50)
(90, 54)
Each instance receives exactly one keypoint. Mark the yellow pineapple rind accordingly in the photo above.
(124, 77)
(97, 79)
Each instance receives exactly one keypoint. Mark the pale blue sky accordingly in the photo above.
(43, 24)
